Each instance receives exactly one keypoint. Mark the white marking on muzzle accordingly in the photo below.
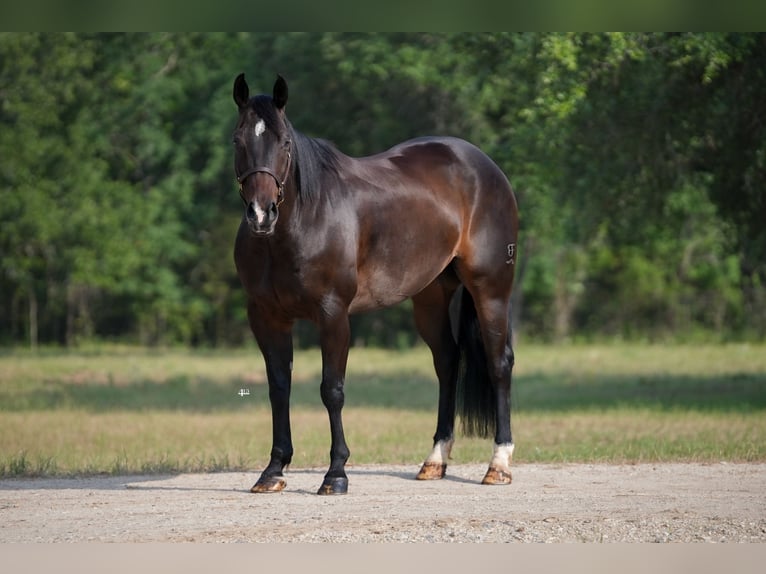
(260, 127)
(260, 215)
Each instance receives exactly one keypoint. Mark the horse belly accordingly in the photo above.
(401, 266)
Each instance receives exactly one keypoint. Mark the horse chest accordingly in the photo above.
(298, 291)
(277, 285)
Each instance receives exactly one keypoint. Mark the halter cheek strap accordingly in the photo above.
(263, 169)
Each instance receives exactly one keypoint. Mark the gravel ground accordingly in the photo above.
(545, 503)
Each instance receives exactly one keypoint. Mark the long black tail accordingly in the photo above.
(475, 396)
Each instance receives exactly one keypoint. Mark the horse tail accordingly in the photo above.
(475, 395)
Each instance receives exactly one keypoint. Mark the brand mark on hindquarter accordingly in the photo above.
(511, 254)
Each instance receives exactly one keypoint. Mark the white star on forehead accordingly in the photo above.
(260, 127)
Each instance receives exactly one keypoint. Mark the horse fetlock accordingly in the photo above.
(502, 455)
(435, 466)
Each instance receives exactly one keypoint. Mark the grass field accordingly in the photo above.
(126, 410)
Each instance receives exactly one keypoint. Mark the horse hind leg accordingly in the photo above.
(431, 310)
(484, 383)
(494, 320)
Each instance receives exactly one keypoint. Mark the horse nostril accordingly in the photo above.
(251, 210)
(273, 208)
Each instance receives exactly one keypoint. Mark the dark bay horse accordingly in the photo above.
(324, 235)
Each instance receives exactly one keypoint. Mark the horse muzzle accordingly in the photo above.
(261, 221)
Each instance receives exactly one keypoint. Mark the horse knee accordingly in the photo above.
(332, 394)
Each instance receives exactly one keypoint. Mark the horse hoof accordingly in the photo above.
(269, 484)
(338, 485)
(432, 471)
(497, 476)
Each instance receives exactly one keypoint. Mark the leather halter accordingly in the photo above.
(264, 169)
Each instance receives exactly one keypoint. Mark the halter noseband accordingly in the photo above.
(264, 169)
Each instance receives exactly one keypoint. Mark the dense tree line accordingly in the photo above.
(639, 161)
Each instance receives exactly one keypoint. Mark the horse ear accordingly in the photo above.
(280, 92)
(241, 91)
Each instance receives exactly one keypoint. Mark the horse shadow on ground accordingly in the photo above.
(155, 482)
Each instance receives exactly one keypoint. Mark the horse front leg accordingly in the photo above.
(334, 340)
(276, 344)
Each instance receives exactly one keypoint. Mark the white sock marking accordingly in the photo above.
(502, 456)
(441, 452)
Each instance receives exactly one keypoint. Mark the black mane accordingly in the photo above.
(315, 160)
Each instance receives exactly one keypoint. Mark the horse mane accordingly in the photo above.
(315, 161)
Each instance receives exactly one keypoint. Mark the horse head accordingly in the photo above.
(262, 153)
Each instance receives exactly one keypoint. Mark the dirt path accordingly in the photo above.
(610, 503)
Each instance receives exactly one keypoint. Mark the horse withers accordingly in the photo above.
(324, 235)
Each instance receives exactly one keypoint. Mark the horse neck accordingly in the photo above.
(316, 163)
(314, 167)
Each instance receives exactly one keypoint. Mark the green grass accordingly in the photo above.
(124, 410)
